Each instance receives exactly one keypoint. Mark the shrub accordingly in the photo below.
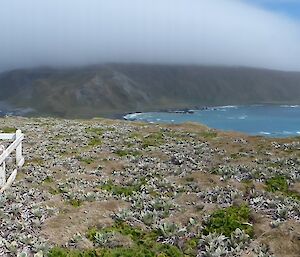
(75, 202)
(154, 139)
(226, 221)
(294, 195)
(278, 183)
(95, 141)
(48, 180)
(96, 136)
(209, 134)
(137, 251)
(97, 131)
(7, 130)
(144, 243)
(126, 190)
(119, 227)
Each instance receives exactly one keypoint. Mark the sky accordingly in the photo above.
(255, 33)
(289, 8)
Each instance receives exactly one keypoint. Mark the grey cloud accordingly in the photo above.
(80, 32)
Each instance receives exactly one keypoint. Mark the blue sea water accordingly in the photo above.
(267, 120)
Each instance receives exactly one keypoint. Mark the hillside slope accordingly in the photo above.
(119, 88)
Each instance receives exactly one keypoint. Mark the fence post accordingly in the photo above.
(19, 156)
(2, 174)
(4, 153)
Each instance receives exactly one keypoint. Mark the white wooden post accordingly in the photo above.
(16, 145)
(2, 168)
(9, 182)
(19, 156)
(2, 175)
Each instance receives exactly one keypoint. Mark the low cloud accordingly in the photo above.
(80, 32)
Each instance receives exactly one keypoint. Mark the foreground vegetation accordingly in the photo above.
(112, 188)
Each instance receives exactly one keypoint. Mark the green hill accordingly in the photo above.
(108, 90)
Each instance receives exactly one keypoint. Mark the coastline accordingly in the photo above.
(249, 119)
(133, 116)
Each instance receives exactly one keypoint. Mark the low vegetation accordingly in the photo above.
(153, 139)
(137, 251)
(95, 141)
(143, 244)
(97, 131)
(226, 221)
(131, 189)
(87, 160)
(123, 153)
(280, 184)
(209, 134)
(125, 190)
(7, 130)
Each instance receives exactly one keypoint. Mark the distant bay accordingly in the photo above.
(266, 120)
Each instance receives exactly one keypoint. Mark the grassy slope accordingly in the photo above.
(118, 186)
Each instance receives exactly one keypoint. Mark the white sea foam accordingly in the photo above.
(265, 133)
(287, 132)
(132, 116)
(290, 106)
(224, 108)
(227, 107)
(243, 117)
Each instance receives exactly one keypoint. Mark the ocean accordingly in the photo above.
(266, 120)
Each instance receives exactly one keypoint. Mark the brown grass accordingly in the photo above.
(71, 220)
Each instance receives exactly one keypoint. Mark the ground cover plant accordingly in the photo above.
(111, 188)
(280, 184)
(226, 221)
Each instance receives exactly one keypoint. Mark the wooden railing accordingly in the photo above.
(16, 146)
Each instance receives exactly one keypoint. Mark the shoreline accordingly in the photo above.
(132, 116)
(243, 120)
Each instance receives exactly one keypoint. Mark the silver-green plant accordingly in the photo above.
(102, 239)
